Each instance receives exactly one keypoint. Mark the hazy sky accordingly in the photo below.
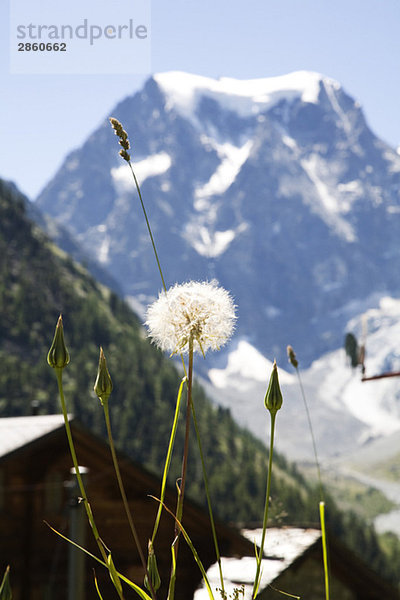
(357, 42)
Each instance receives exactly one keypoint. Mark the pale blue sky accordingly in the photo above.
(357, 42)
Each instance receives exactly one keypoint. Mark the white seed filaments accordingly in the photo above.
(199, 311)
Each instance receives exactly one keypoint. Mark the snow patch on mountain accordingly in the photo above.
(210, 243)
(329, 206)
(245, 364)
(345, 411)
(104, 249)
(244, 97)
(200, 232)
(232, 159)
(372, 403)
(153, 165)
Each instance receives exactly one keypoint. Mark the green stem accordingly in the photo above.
(205, 478)
(265, 520)
(321, 493)
(148, 226)
(321, 489)
(77, 472)
(181, 487)
(168, 459)
(123, 494)
(324, 548)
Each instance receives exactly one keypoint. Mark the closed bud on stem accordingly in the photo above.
(58, 355)
(273, 397)
(292, 357)
(103, 385)
(152, 570)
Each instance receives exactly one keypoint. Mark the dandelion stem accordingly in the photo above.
(123, 494)
(187, 431)
(267, 495)
(168, 458)
(182, 484)
(77, 472)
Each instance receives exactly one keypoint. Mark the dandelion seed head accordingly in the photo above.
(201, 310)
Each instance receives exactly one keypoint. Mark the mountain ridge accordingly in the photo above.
(285, 206)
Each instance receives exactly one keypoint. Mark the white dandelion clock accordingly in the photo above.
(199, 312)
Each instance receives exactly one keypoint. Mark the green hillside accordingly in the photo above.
(37, 283)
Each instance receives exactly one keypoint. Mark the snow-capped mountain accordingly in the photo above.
(346, 412)
(276, 187)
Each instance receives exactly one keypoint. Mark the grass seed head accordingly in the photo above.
(123, 138)
(292, 357)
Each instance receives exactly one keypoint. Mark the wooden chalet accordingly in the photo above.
(36, 486)
(292, 564)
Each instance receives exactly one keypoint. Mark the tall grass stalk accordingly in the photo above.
(148, 226)
(124, 142)
(294, 362)
(324, 548)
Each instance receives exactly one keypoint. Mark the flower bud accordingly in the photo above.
(273, 397)
(292, 357)
(58, 356)
(103, 385)
(152, 570)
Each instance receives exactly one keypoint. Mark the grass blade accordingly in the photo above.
(5, 588)
(141, 593)
(168, 458)
(191, 546)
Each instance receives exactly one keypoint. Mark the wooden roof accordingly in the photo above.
(291, 549)
(32, 449)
